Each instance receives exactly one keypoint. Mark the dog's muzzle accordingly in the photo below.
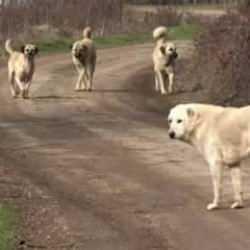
(171, 134)
(77, 55)
(175, 55)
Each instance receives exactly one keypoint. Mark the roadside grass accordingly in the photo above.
(181, 7)
(8, 220)
(208, 7)
(183, 32)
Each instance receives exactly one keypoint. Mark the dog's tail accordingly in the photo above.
(87, 32)
(8, 47)
(160, 33)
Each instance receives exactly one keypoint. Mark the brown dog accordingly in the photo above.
(84, 59)
(21, 67)
(164, 56)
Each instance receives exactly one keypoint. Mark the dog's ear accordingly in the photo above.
(195, 117)
(36, 50)
(163, 50)
(22, 48)
(190, 112)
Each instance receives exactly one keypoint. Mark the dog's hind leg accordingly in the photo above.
(236, 181)
(161, 83)
(171, 82)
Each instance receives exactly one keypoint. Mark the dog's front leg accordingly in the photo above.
(90, 81)
(156, 82)
(216, 171)
(161, 82)
(79, 80)
(13, 87)
(236, 181)
(20, 86)
(26, 90)
(84, 82)
(171, 82)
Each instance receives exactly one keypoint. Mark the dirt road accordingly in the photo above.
(106, 159)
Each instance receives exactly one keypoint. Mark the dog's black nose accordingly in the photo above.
(175, 55)
(171, 135)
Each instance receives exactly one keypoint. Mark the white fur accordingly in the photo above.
(221, 135)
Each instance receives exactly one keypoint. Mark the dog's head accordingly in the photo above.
(169, 49)
(79, 50)
(182, 120)
(29, 50)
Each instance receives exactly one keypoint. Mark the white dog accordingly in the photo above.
(222, 136)
(84, 59)
(164, 56)
(21, 66)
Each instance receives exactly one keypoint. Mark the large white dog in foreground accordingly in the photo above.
(222, 136)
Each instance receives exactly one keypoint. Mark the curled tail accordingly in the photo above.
(87, 32)
(8, 46)
(160, 33)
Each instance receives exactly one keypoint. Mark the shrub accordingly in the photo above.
(222, 60)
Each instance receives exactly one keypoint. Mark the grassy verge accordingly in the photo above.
(188, 7)
(184, 32)
(8, 219)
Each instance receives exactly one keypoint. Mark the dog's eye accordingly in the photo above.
(179, 121)
(171, 49)
(169, 121)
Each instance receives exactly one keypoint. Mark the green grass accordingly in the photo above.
(8, 220)
(202, 6)
(184, 32)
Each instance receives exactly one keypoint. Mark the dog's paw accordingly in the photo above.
(212, 206)
(237, 205)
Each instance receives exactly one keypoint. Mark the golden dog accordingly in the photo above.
(84, 59)
(21, 67)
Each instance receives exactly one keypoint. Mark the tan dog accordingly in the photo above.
(84, 59)
(21, 67)
(222, 136)
(164, 56)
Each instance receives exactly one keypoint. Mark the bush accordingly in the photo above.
(222, 60)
